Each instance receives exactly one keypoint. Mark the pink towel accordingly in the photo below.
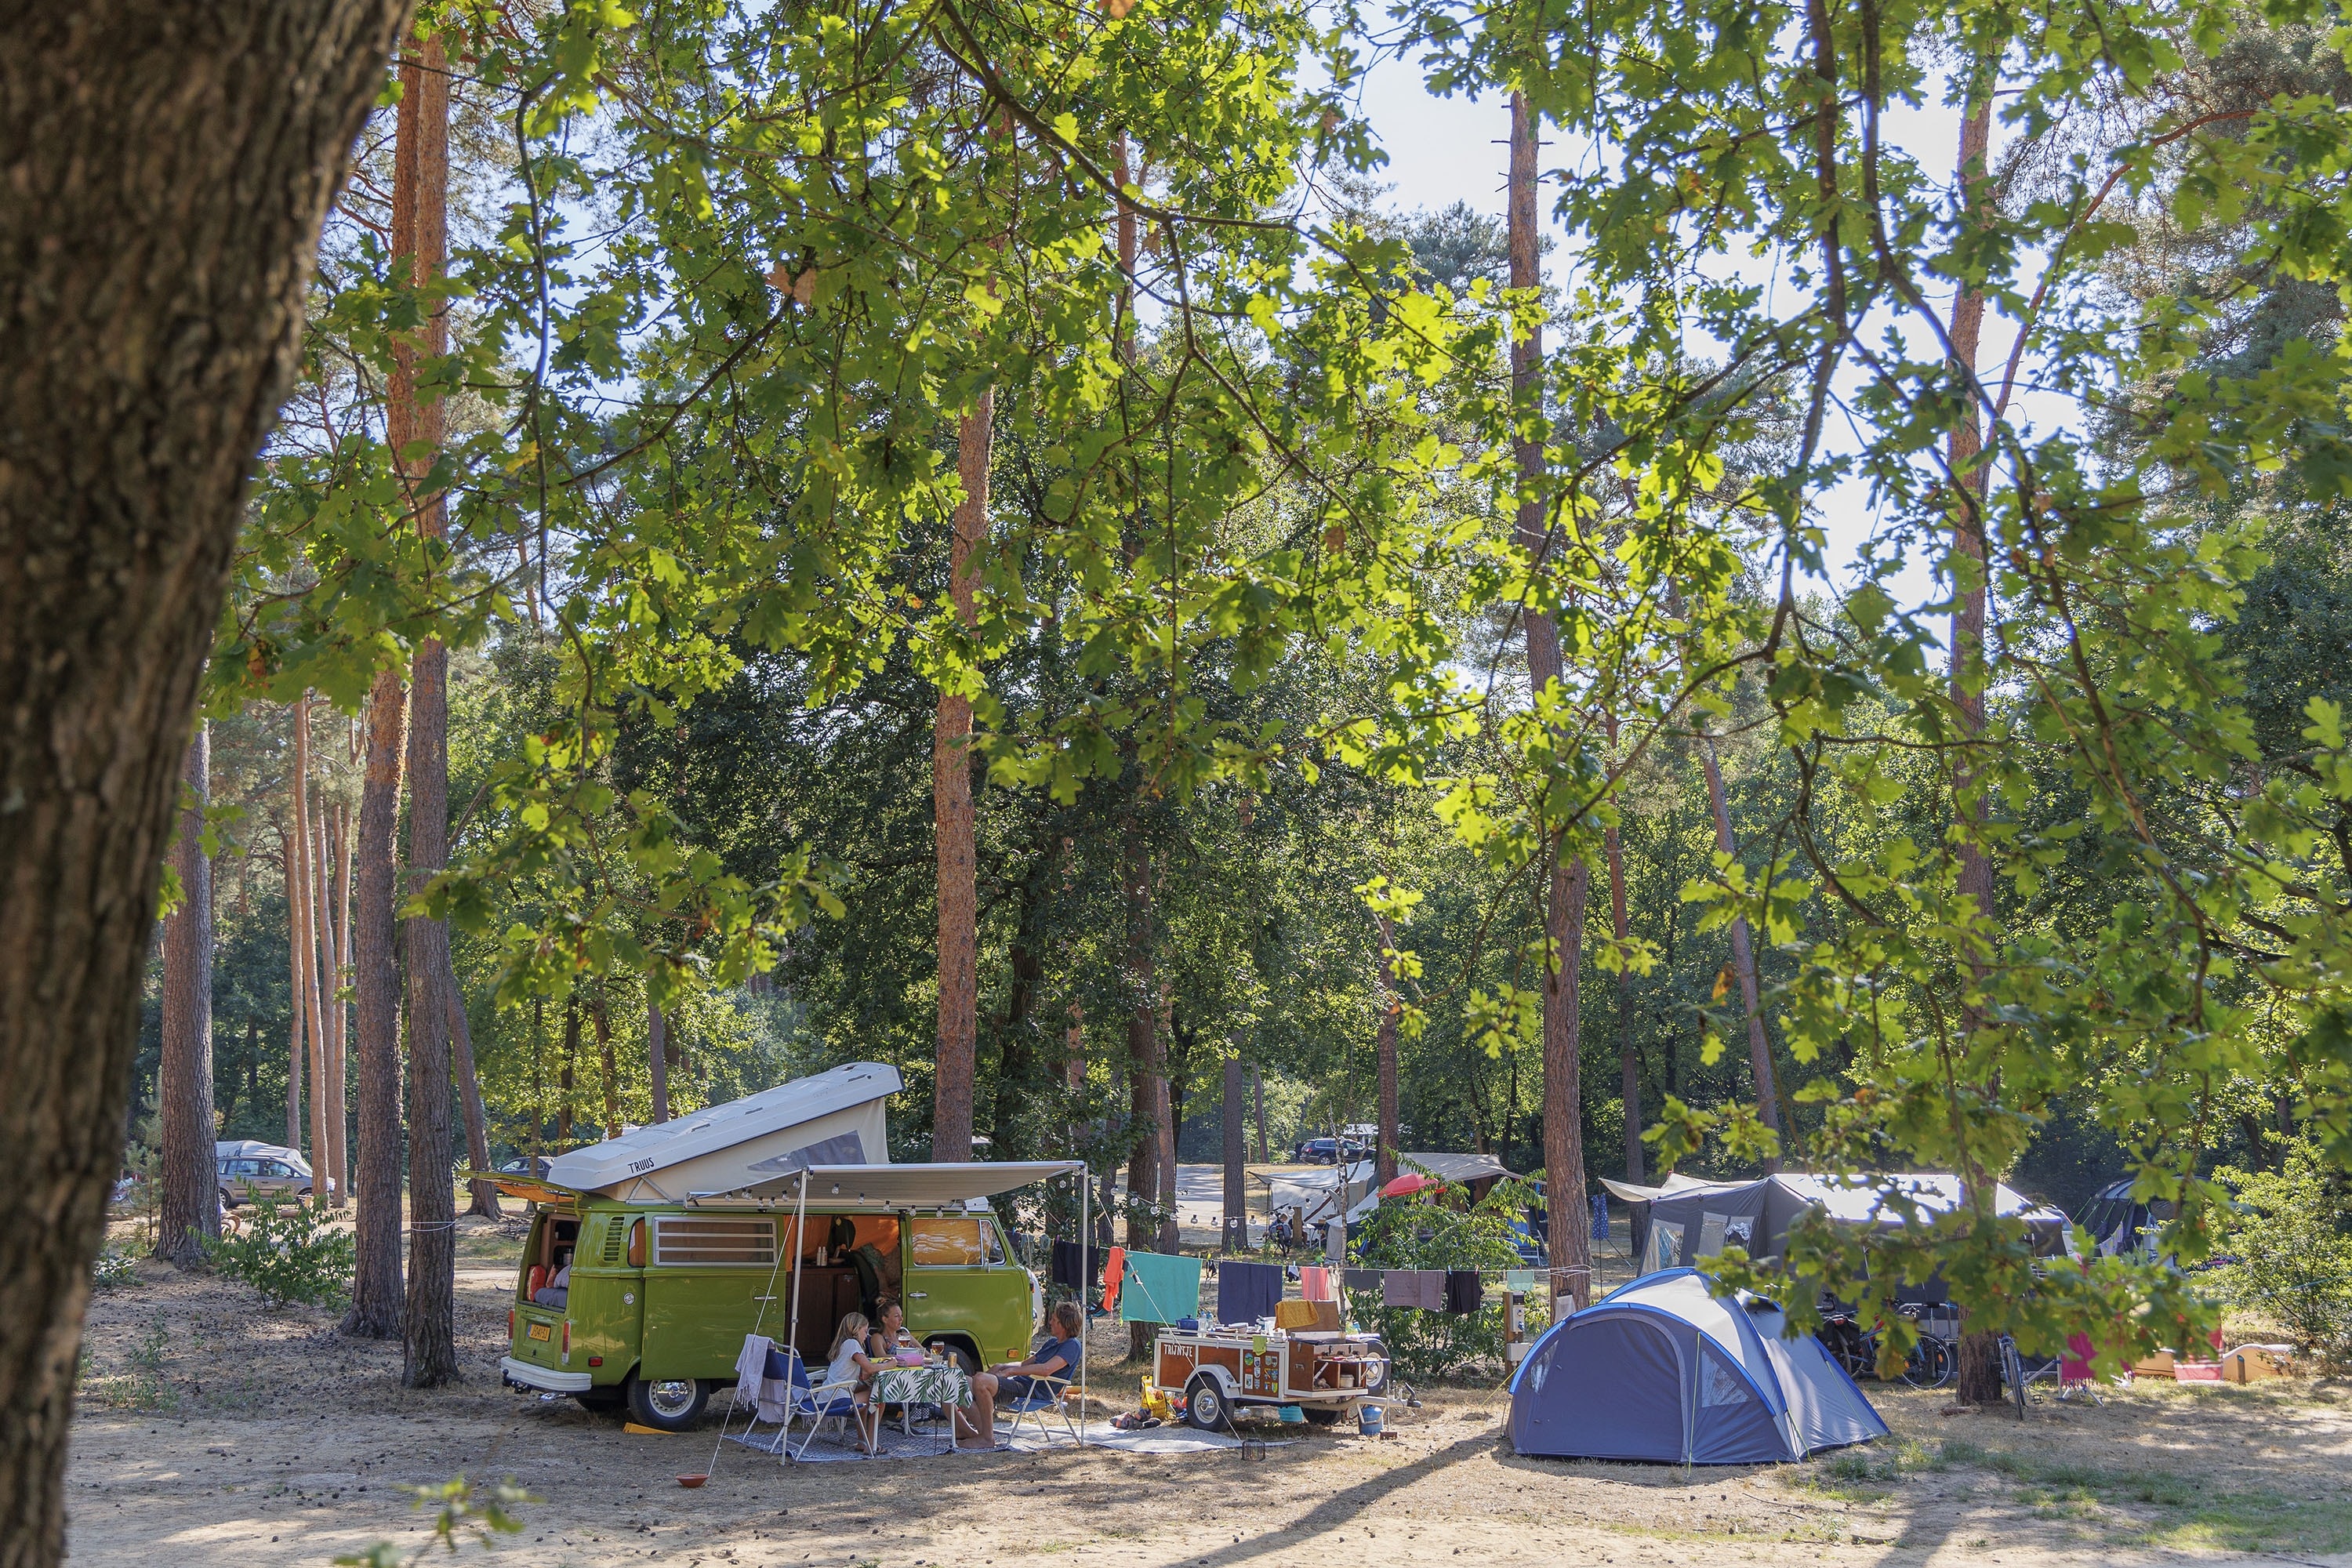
(1315, 1283)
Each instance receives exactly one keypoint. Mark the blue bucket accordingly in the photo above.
(1370, 1420)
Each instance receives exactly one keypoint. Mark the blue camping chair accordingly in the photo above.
(816, 1403)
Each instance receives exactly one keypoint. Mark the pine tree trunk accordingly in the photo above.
(1236, 1205)
(297, 1038)
(338, 929)
(1743, 957)
(1629, 1060)
(305, 933)
(167, 170)
(604, 1058)
(565, 1112)
(952, 822)
(1384, 1051)
(1258, 1087)
(1569, 1237)
(1977, 1379)
(482, 1194)
(184, 1078)
(658, 1060)
(377, 1289)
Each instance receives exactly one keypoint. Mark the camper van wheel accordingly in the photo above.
(1321, 1416)
(1204, 1404)
(673, 1405)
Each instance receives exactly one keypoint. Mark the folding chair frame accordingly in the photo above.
(1034, 1407)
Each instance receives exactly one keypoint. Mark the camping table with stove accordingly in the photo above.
(1326, 1375)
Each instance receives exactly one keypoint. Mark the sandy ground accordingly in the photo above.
(211, 1431)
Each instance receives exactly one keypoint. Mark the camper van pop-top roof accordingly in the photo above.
(834, 1118)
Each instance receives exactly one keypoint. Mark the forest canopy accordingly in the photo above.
(977, 536)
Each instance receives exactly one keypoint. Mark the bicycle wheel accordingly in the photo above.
(1941, 1363)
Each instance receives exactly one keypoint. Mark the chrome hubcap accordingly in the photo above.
(670, 1399)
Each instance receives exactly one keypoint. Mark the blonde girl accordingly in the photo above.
(850, 1366)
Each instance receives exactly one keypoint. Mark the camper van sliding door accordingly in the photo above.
(707, 1279)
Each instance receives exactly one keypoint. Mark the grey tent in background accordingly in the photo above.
(1688, 1225)
(1661, 1371)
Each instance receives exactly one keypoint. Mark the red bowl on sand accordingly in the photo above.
(690, 1482)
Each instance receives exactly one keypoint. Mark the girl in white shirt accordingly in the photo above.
(850, 1366)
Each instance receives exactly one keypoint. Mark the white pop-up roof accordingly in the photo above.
(834, 1118)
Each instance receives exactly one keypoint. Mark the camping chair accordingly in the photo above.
(816, 1403)
(1044, 1398)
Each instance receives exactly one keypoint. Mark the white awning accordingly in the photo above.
(1674, 1187)
(897, 1186)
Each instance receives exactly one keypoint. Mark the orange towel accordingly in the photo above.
(1324, 1315)
(1113, 1270)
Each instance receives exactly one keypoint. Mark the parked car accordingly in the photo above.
(1316, 1151)
(526, 1166)
(248, 1170)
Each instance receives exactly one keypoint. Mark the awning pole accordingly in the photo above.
(800, 1223)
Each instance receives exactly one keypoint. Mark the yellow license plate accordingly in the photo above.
(540, 1331)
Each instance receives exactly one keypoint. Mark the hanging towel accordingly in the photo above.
(1400, 1288)
(1362, 1279)
(1069, 1265)
(1463, 1294)
(1293, 1315)
(771, 1396)
(1247, 1292)
(1114, 1273)
(1161, 1289)
(1433, 1288)
(1520, 1282)
(1315, 1283)
(1600, 1216)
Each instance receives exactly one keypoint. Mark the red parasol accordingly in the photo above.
(1409, 1183)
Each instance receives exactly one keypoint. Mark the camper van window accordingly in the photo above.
(944, 1241)
(706, 1239)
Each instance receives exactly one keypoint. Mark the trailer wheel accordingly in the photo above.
(1321, 1416)
(672, 1404)
(1205, 1405)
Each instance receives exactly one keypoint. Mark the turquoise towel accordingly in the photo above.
(1160, 1288)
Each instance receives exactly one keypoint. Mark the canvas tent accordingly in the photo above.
(830, 1118)
(1661, 1371)
(1682, 1228)
(1351, 1189)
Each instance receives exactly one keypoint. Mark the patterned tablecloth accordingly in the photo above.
(921, 1385)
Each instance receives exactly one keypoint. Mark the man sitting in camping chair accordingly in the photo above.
(1031, 1386)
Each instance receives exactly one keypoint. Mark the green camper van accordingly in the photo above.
(647, 1264)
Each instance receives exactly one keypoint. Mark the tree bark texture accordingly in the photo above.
(657, 1060)
(1743, 957)
(184, 1078)
(338, 907)
(376, 1285)
(167, 170)
(420, 195)
(951, 809)
(1570, 1241)
(482, 1196)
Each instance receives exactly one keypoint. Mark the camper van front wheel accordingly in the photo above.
(673, 1405)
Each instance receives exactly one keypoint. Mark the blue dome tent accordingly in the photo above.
(1659, 1370)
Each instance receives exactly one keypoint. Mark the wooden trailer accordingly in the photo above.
(1325, 1375)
